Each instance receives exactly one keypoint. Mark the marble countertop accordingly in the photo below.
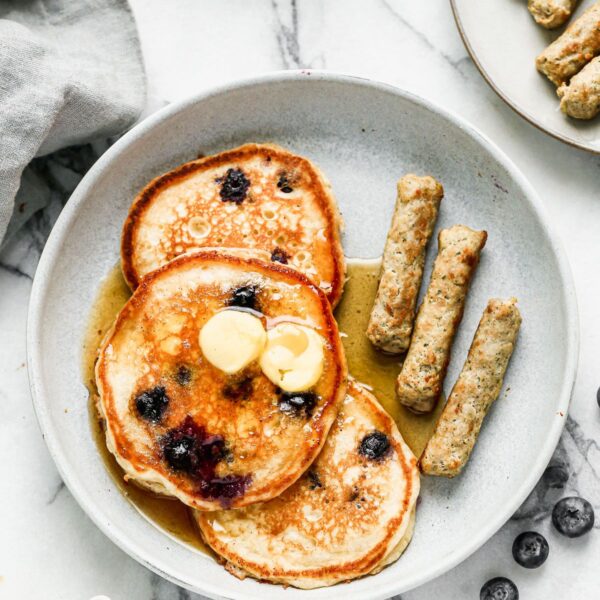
(50, 550)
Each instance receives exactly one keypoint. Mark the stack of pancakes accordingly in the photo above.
(306, 486)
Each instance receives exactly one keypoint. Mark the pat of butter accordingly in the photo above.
(232, 339)
(293, 358)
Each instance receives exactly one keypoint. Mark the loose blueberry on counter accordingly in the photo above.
(530, 549)
(374, 445)
(151, 404)
(297, 403)
(244, 297)
(284, 184)
(499, 588)
(183, 375)
(573, 516)
(279, 255)
(234, 186)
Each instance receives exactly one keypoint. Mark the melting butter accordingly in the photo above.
(231, 339)
(293, 358)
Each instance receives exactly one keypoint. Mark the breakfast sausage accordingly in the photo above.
(551, 13)
(393, 314)
(567, 55)
(420, 381)
(477, 387)
(581, 98)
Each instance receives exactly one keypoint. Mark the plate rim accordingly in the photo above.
(70, 212)
(505, 98)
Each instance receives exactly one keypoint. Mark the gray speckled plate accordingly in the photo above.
(364, 135)
(503, 41)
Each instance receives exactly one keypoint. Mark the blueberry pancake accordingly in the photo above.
(220, 379)
(257, 196)
(350, 515)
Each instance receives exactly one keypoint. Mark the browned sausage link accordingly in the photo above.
(573, 49)
(420, 381)
(477, 387)
(551, 13)
(414, 217)
(581, 98)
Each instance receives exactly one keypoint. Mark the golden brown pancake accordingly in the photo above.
(257, 196)
(350, 515)
(182, 427)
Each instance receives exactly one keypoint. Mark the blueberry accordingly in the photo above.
(374, 445)
(188, 448)
(238, 390)
(244, 297)
(530, 549)
(151, 404)
(315, 480)
(284, 183)
(499, 588)
(279, 255)
(297, 403)
(573, 516)
(180, 452)
(598, 396)
(183, 375)
(234, 186)
(225, 489)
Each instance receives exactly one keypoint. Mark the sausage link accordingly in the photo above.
(551, 13)
(477, 387)
(393, 314)
(420, 381)
(581, 98)
(568, 54)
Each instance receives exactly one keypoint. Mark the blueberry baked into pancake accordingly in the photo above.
(258, 196)
(220, 379)
(350, 515)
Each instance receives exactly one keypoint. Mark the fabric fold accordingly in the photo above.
(70, 72)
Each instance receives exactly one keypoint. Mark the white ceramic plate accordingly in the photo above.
(364, 135)
(504, 41)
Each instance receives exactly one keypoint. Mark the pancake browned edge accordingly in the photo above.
(242, 426)
(350, 515)
(257, 196)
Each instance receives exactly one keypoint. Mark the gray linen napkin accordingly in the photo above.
(70, 71)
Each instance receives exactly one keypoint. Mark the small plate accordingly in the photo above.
(364, 135)
(504, 41)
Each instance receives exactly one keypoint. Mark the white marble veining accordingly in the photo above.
(50, 549)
